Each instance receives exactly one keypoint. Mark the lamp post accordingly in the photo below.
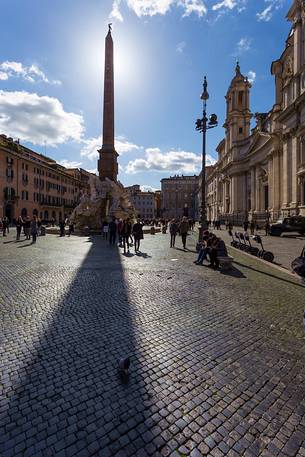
(202, 125)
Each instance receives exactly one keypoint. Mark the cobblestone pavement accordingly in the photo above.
(217, 360)
(285, 248)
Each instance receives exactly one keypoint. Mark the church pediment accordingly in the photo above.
(260, 140)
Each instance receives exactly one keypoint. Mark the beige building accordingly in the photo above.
(179, 196)
(260, 174)
(33, 184)
(145, 203)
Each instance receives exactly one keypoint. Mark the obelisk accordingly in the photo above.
(108, 163)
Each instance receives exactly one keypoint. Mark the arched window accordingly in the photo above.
(24, 212)
(35, 212)
(46, 215)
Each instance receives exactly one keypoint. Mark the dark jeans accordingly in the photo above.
(136, 243)
(126, 243)
(202, 255)
(173, 239)
(34, 236)
(183, 236)
(18, 233)
(112, 237)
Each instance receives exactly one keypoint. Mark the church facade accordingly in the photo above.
(260, 174)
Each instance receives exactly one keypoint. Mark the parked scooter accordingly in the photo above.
(252, 249)
(265, 255)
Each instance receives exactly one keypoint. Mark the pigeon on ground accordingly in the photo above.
(124, 365)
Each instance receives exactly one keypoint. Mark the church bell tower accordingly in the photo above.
(238, 117)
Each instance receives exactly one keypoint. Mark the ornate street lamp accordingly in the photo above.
(202, 125)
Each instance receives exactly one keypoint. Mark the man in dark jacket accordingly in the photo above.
(112, 227)
(183, 229)
(137, 232)
(126, 232)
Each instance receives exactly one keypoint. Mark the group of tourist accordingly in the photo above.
(31, 227)
(125, 232)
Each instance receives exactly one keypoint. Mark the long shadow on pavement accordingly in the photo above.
(268, 274)
(69, 399)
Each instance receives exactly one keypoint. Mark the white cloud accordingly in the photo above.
(31, 74)
(230, 5)
(251, 76)
(93, 144)
(116, 13)
(193, 6)
(39, 120)
(3, 76)
(267, 13)
(243, 45)
(154, 7)
(181, 47)
(171, 161)
(69, 163)
(148, 189)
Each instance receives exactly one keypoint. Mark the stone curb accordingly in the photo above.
(271, 264)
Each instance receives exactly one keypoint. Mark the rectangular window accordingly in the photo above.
(240, 130)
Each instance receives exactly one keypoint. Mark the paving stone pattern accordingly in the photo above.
(217, 360)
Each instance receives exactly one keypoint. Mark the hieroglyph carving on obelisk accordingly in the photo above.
(108, 163)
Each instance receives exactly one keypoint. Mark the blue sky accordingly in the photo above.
(51, 75)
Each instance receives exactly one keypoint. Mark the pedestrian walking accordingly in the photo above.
(120, 232)
(71, 228)
(62, 226)
(173, 230)
(105, 229)
(137, 231)
(112, 228)
(252, 227)
(245, 226)
(34, 229)
(183, 229)
(126, 232)
(267, 227)
(19, 224)
(230, 227)
(27, 226)
(5, 226)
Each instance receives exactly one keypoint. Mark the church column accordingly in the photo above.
(293, 177)
(253, 190)
(270, 182)
(285, 174)
(276, 181)
(224, 197)
(257, 190)
(302, 193)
